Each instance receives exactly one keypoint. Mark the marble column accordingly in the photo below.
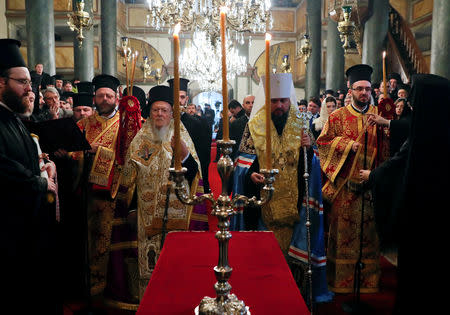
(440, 39)
(84, 55)
(109, 33)
(313, 68)
(40, 25)
(375, 32)
(335, 58)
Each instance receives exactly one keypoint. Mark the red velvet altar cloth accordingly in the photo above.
(184, 274)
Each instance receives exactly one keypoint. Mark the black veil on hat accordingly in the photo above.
(85, 87)
(160, 93)
(105, 80)
(183, 84)
(359, 72)
(10, 56)
(425, 185)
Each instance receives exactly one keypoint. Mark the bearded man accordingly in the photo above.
(346, 145)
(146, 170)
(28, 231)
(100, 175)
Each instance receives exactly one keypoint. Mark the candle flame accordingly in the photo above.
(223, 9)
(384, 54)
(268, 36)
(177, 29)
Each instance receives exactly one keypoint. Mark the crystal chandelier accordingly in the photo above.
(203, 15)
(201, 62)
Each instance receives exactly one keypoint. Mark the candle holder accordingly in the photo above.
(223, 209)
(346, 28)
(80, 20)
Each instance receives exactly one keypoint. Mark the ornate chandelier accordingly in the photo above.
(201, 62)
(80, 20)
(203, 15)
(350, 16)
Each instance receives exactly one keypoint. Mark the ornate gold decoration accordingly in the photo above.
(350, 16)
(80, 20)
(305, 48)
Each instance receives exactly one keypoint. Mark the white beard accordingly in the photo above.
(162, 134)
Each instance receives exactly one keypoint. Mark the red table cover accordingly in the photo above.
(184, 274)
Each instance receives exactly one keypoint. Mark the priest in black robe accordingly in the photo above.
(29, 224)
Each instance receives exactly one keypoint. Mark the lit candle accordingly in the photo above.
(384, 75)
(135, 56)
(176, 96)
(126, 70)
(223, 17)
(268, 107)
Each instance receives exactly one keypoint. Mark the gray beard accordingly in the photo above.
(161, 135)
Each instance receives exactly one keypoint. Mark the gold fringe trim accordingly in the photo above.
(121, 305)
(124, 245)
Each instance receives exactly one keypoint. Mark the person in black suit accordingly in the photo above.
(199, 130)
(237, 127)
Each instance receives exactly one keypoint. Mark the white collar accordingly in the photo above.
(112, 114)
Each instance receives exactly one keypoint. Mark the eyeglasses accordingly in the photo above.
(21, 81)
(361, 88)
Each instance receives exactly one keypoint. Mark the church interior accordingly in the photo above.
(314, 41)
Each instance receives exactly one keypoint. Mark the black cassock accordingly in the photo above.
(200, 132)
(28, 223)
(237, 128)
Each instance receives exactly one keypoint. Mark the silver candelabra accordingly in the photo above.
(223, 209)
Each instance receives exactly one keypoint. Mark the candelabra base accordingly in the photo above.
(231, 306)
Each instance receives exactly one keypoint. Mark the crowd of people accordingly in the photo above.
(95, 220)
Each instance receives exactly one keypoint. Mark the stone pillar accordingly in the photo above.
(375, 32)
(440, 39)
(40, 26)
(109, 31)
(84, 55)
(335, 58)
(313, 68)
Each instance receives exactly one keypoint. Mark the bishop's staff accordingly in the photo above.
(306, 118)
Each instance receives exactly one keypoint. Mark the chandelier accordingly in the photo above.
(350, 16)
(251, 16)
(201, 62)
(80, 20)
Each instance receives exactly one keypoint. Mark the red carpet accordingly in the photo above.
(381, 303)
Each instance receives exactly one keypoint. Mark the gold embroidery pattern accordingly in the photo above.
(147, 165)
(282, 209)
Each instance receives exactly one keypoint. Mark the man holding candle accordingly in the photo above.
(146, 170)
(347, 144)
(285, 212)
